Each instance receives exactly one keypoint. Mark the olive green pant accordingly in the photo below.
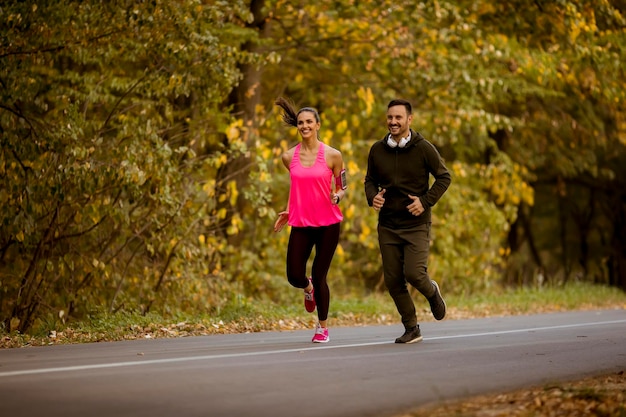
(405, 261)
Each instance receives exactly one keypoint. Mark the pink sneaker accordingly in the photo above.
(321, 335)
(309, 300)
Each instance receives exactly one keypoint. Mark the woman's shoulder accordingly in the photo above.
(333, 156)
(287, 156)
(331, 152)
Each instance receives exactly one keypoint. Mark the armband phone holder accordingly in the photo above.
(341, 181)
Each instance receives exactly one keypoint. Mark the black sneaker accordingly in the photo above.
(437, 305)
(410, 336)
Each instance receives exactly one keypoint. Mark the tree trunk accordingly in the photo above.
(243, 101)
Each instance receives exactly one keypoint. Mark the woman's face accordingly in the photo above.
(308, 126)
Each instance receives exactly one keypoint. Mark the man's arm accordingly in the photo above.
(441, 174)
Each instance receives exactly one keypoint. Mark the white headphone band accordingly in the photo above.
(403, 141)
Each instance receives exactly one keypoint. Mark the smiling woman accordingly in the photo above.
(315, 170)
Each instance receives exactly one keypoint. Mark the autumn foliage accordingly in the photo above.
(139, 159)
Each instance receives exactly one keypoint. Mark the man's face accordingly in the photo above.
(398, 121)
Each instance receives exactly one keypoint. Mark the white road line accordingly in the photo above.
(280, 351)
(563, 326)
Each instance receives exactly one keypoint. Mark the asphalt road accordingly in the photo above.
(361, 372)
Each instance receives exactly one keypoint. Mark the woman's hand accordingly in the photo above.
(283, 218)
(335, 198)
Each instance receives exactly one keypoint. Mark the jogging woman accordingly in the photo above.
(318, 184)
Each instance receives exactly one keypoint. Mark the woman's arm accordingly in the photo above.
(283, 216)
(340, 183)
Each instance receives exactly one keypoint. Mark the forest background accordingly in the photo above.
(140, 160)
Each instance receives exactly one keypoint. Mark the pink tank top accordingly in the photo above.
(310, 193)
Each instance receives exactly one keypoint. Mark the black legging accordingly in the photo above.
(301, 242)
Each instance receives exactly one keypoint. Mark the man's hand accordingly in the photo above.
(379, 200)
(415, 208)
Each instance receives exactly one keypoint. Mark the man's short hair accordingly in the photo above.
(401, 102)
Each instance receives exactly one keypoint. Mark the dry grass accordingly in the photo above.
(256, 316)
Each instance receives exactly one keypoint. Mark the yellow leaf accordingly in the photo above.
(353, 169)
(342, 126)
(234, 193)
(209, 188)
(13, 325)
